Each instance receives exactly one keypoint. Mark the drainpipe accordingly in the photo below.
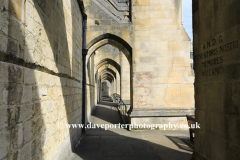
(84, 54)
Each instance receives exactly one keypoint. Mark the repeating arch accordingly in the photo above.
(109, 61)
(113, 40)
(107, 75)
(107, 70)
(107, 78)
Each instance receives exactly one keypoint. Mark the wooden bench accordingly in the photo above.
(191, 120)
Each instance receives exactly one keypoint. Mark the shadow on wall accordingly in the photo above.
(55, 22)
(22, 130)
(32, 104)
(90, 90)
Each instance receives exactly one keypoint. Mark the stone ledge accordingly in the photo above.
(119, 6)
(117, 16)
(141, 112)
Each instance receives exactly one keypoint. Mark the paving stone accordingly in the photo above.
(143, 145)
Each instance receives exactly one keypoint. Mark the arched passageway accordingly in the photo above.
(110, 58)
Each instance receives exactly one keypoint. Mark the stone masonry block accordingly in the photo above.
(20, 135)
(13, 117)
(3, 72)
(12, 94)
(175, 80)
(3, 118)
(5, 143)
(29, 76)
(37, 109)
(12, 48)
(4, 22)
(25, 153)
(14, 138)
(33, 148)
(187, 90)
(3, 44)
(35, 93)
(176, 74)
(15, 74)
(15, 30)
(4, 5)
(43, 91)
(37, 124)
(142, 3)
(1, 95)
(27, 131)
(26, 112)
(105, 22)
(27, 94)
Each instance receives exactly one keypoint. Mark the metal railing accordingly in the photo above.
(121, 105)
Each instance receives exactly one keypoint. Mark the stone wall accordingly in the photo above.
(40, 78)
(100, 22)
(216, 65)
(162, 77)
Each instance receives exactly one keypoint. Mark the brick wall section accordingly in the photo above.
(40, 78)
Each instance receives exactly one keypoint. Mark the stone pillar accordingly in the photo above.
(125, 79)
(217, 89)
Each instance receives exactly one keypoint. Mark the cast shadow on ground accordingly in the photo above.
(120, 144)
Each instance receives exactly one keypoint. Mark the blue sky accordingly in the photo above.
(187, 17)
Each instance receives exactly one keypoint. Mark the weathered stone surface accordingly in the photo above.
(14, 138)
(25, 153)
(43, 91)
(32, 87)
(26, 112)
(3, 72)
(15, 74)
(4, 22)
(216, 66)
(27, 131)
(12, 48)
(1, 95)
(3, 44)
(3, 118)
(5, 143)
(20, 135)
(29, 76)
(26, 94)
(13, 117)
(138, 112)
(12, 94)
(35, 93)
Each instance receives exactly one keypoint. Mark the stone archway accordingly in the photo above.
(124, 47)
